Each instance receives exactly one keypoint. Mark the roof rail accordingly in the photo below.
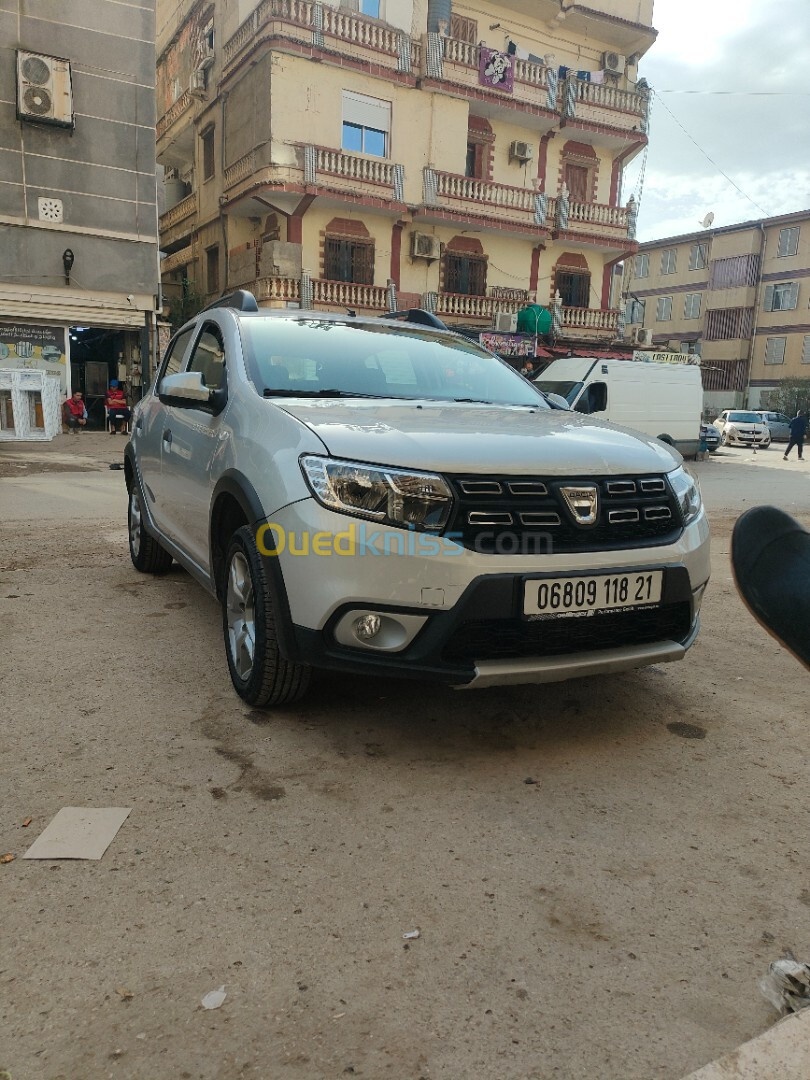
(417, 315)
(241, 300)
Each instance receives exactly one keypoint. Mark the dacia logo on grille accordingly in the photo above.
(582, 503)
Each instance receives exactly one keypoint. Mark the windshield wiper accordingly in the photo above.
(318, 393)
(472, 401)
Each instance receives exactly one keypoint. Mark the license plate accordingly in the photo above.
(569, 597)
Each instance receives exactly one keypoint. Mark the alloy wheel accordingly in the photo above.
(241, 616)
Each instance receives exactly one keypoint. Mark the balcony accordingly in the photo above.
(169, 118)
(471, 197)
(325, 294)
(178, 221)
(327, 30)
(349, 176)
(463, 306)
(448, 60)
(590, 320)
(614, 114)
(176, 260)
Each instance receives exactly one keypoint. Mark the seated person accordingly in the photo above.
(75, 412)
(116, 405)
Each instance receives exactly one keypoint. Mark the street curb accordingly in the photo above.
(783, 1051)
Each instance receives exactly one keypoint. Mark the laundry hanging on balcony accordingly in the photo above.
(496, 70)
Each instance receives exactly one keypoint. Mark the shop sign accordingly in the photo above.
(41, 348)
(508, 344)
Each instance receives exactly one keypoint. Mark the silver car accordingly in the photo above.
(777, 424)
(385, 498)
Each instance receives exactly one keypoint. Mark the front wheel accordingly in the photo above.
(146, 553)
(724, 440)
(260, 674)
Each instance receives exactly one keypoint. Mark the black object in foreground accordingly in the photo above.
(770, 559)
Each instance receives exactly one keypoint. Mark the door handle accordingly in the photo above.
(167, 437)
(139, 424)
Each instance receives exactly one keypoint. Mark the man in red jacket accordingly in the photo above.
(75, 412)
(116, 405)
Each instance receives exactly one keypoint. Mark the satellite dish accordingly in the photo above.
(707, 221)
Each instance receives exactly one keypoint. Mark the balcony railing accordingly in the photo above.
(474, 307)
(574, 318)
(173, 114)
(324, 22)
(176, 260)
(179, 212)
(468, 189)
(351, 167)
(611, 97)
(241, 168)
(340, 294)
(614, 217)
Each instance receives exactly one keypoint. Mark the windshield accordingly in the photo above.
(744, 418)
(313, 358)
(567, 390)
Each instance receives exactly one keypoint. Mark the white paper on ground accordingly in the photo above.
(79, 832)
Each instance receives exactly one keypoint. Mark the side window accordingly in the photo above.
(594, 399)
(209, 357)
(175, 353)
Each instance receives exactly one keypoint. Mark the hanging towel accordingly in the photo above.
(584, 75)
(597, 77)
(521, 54)
(511, 48)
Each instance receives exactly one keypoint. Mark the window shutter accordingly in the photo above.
(806, 349)
(792, 298)
(769, 297)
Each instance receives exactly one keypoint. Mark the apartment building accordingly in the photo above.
(738, 296)
(78, 215)
(462, 157)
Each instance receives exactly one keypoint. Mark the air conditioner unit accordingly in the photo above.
(44, 89)
(613, 62)
(642, 336)
(425, 246)
(505, 322)
(521, 151)
(198, 83)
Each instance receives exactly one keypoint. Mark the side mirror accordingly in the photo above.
(558, 401)
(185, 386)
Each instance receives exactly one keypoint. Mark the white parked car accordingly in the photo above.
(777, 423)
(386, 498)
(739, 427)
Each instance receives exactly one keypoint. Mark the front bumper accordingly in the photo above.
(463, 611)
(744, 438)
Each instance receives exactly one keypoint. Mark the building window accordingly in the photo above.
(475, 161)
(728, 324)
(643, 265)
(574, 288)
(578, 181)
(698, 256)
(348, 260)
(691, 306)
(788, 242)
(734, 271)
(465, 274)
(463, 29)
(806, 349)
(208, 165)
(636, 313)
(669, 260)
(212, 269)
(663, 311)
(371, 8)
(782, 297)
(366, 124)
(775, 350)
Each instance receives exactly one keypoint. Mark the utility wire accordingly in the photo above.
(741, 93)
(711, 160)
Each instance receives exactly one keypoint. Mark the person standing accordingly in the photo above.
(75, 412)
(798, 429)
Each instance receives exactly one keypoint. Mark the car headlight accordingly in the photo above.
(687, 493)
(391, 496)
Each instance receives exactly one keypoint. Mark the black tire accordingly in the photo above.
(260, 674)
(146, 553)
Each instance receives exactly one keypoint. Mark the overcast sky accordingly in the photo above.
(759, 135)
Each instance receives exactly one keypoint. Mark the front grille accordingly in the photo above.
(528, 515)
(509, 639)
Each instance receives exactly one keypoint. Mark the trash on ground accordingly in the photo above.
(79, 832)
(26, 823)
(411, 935)
(8, 857)
(124, 994)
(214, 998)
(787, 984)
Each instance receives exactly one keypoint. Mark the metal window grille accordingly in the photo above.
(575, 289)
(466, 275)
(728, 324)
(349, 260)
(734, 271)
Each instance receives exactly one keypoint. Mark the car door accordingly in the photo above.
(720, 422)
(148, 432)
(193, 434)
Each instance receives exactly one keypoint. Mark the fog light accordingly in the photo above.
(367, 627)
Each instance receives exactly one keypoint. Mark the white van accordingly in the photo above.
(664, 400)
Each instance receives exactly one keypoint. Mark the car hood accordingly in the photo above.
(438, 436)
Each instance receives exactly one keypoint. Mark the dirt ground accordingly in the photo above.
(600, 871)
